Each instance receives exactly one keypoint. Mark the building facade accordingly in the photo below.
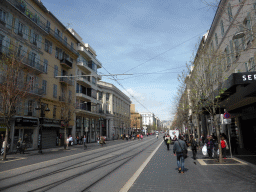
(115, 109)
(230, 43)
(48, 51)
(136, 121)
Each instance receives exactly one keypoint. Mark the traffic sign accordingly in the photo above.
(226, 115)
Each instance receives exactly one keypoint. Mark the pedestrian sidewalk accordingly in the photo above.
(32, 152)
(161, 174)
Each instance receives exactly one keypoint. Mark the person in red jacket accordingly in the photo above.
(223, 146)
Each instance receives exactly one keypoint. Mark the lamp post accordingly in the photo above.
(42, 108)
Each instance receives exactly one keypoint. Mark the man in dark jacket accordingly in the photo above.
(193, 147)
(178, 148)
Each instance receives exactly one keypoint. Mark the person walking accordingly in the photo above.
(168, 141)
(178, 148)
(224, 147)
(193, 147)
(209, 143)
(84, 141)
(141, 137)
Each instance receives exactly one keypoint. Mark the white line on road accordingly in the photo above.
(130, 182)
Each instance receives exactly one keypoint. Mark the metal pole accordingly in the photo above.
(229, 140)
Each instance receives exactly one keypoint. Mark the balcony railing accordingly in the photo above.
(82, 107)
(66, 80)
(36, 91)
(35, 64)
(30, 12)
(60, 39)
(66, 63)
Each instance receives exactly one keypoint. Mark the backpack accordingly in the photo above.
(193, 144)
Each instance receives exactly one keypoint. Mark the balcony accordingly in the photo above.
(88, 55)
(36, 91)
(29, 12)
(66, 81)
(33, 64)
(66, 63)
(62, 99)
(2, 21)
(62, 41)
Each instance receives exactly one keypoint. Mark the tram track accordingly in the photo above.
(103, 163)
(105, 152)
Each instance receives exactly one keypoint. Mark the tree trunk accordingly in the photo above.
(198, 127)
(219, 144)
(65, 138)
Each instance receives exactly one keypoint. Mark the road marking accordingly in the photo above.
(130, 182)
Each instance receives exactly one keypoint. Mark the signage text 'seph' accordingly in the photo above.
(249, 77)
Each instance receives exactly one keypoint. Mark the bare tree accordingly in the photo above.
(14, 89)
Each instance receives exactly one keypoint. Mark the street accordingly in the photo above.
(104, 168)
(112, 168)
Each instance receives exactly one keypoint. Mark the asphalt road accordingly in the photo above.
(106, 168)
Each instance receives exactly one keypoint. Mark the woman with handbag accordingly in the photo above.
(167, 141)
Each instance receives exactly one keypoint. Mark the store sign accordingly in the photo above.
(251, 77)
(49, 121)
(26, 122)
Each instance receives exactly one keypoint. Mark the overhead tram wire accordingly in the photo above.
(126, 90)
(165, 51)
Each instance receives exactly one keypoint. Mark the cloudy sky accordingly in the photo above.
(151, 39)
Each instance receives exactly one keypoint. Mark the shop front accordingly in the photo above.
(50, 132)
(240, 101)
(26, 129)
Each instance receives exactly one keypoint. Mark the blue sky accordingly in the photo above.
(136, 37)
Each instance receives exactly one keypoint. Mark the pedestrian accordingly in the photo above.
(168, 141)
(138, 136)
(178, 148)
(193, 147)
(84, 141)
(98, 139)
(67, 142)
(165, 139)
(234, 146)
(209, 144)
(224, 147)
(127, 137)
(141, 137)
(113, 136)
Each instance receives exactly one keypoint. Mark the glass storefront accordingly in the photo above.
(26, 135)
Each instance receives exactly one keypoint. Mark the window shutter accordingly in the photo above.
(26, 107)
(6, 44)
(9, 21)
(16, 25)
(45, 66)
(39, 42)
(50, 48)
(33, 108)
(31, 35)
(24, 51)
(25, 35)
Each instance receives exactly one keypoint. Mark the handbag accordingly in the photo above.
(204, 150)
(169, 141)
(183, 151)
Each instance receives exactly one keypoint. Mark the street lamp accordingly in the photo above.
(41, 115)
